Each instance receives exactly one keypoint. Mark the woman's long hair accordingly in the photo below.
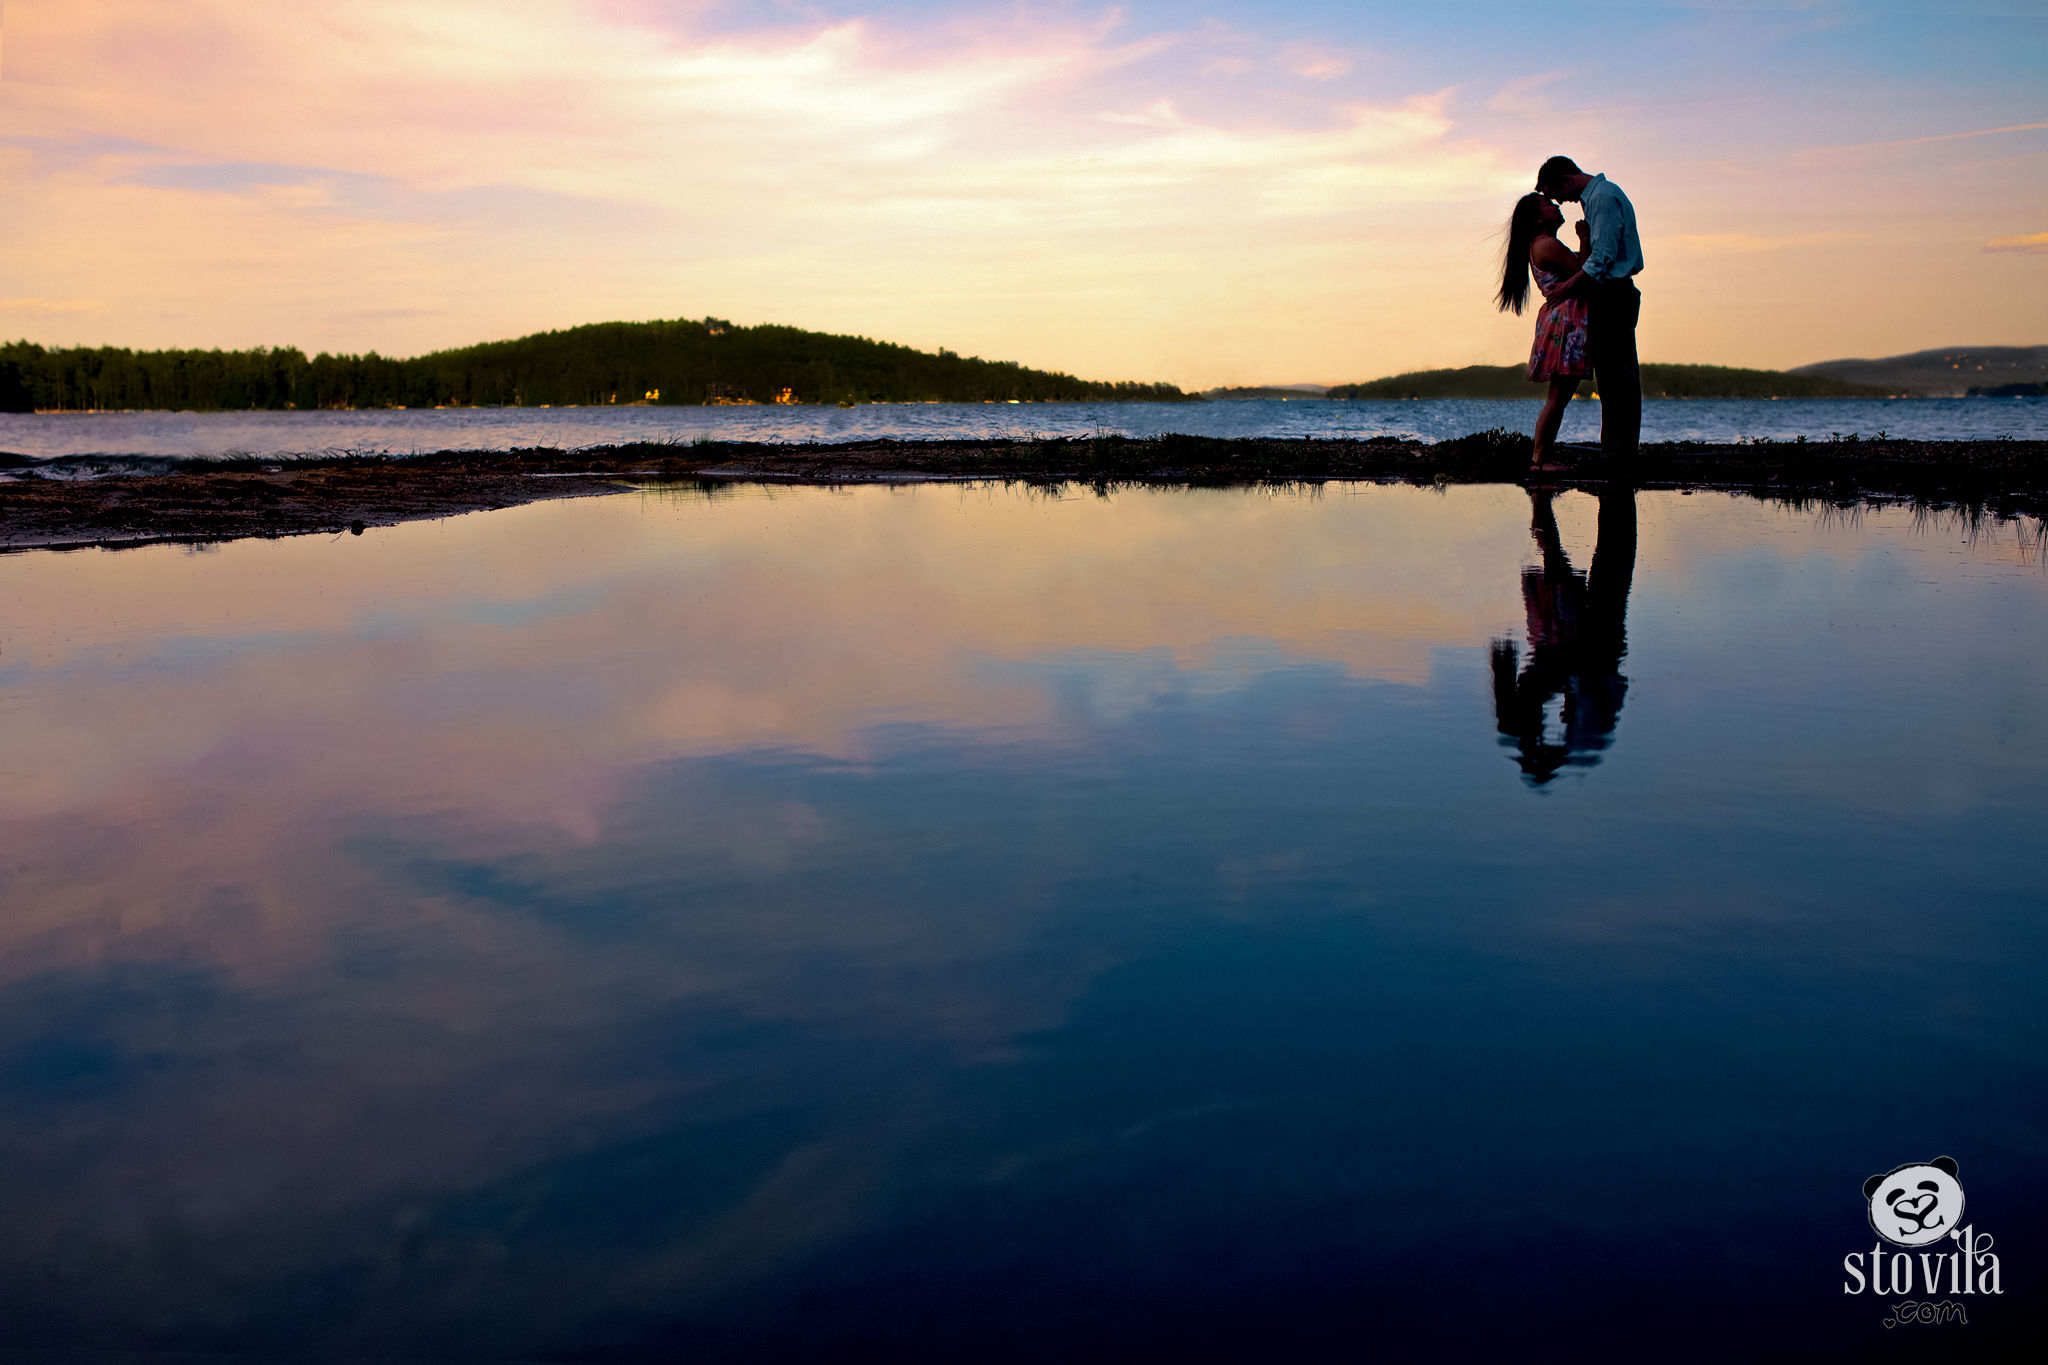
(1525, 225)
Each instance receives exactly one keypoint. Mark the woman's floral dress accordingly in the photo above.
(1560, 348)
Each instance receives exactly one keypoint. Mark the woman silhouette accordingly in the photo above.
(1558, 354)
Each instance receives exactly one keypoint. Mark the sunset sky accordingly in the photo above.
(1205, 193)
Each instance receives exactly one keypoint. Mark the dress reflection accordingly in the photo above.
(1578, 633)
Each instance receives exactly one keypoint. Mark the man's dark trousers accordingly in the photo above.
(1612, 307)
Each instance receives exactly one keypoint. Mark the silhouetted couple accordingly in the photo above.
(1578, 633)
(1590, 305)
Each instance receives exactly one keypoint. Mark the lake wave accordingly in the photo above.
(298, 435)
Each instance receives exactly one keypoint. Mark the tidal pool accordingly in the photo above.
(975, 923)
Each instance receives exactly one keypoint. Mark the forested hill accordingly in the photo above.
(1659, 381)
(680, 362)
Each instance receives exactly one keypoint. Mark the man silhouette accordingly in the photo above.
(1614, 256)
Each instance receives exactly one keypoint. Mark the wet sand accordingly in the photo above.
(81, 502)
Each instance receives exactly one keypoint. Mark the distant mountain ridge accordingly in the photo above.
(1949, 372)
(1659, 381)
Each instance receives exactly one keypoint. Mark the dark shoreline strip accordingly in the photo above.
(81, 501)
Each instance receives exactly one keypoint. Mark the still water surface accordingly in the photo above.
(287, 435)
(962, 923)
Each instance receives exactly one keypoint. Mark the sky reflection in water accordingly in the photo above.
(992, 922)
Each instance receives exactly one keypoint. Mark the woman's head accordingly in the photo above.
(1534, 216)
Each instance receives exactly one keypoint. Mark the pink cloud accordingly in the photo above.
(1314, 63)
(48, 307)
(2032, 242)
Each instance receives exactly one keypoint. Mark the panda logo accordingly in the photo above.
(1918, 1203)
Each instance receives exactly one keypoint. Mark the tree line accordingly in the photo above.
(686, 361)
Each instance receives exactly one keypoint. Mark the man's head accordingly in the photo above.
(1561, 178)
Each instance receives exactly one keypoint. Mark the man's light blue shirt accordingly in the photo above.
(1614, 251)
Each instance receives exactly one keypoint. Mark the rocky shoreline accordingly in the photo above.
(82, 502)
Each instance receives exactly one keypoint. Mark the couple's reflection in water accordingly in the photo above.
(1578, 633)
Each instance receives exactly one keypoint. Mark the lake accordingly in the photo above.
(979, 923)
(287, 435)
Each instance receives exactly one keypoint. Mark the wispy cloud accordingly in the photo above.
(1314, 62)
(597, 101)
(798, 159)
(49, 307)
(2035, 242)
(354, 315)
(1931, 137)
(1526, 94)
(1751, 243)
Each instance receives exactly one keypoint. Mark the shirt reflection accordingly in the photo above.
(1578, 634)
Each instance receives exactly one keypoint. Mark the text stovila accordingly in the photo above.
(1971, 1269)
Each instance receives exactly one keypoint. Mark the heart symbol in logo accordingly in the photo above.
(1913, 1210)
